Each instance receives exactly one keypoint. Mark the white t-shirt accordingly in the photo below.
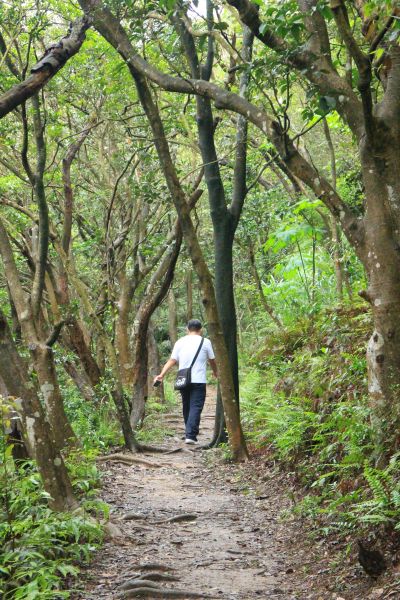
(184, 351)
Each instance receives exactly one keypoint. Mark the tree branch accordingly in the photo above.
(55, 334)
(362, 61)
(66, 177)
(205, 123)
(239, 173)
(311, 60)
(53, 60)
(40, 195)
(5, 50)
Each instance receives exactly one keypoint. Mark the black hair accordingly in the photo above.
(194, 325)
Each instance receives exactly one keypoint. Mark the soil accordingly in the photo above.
(190, 525)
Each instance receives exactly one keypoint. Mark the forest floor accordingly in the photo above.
(228, 541)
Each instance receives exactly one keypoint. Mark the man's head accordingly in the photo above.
(194, 326)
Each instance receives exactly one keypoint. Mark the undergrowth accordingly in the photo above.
(305, 397)
(42, 549)
(95, 423)
(152, 430)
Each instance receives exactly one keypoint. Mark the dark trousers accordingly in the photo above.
(193, 398)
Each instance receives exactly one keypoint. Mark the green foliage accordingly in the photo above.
(269, 417)
(308, 405)
(40, 548)
(286, 20)
(95, 422)
(152, 429)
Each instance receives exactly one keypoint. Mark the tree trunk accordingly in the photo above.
(172, 317)
(15, 322)
(78, 344)
(383, 270)
(189, 295)
(80, 379)
(154, 366)
(36, 430)
(224, 292)
(43, 360)
(337, 258)
(124, 352)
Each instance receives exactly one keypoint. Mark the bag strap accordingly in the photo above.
(197, 353)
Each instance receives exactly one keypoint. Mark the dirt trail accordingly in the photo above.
(227, 545)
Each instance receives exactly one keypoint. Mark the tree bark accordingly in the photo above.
(154, 366)
(36, 430)
(40, 196)
(80, 379)
(172, 317)
(77, 343)
(124, 305)
(383, 269)
(189, 295)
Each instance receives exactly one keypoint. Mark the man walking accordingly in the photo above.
(194, 395)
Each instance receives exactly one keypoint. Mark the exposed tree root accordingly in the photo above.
(153, 566)
(154, 576)
(138, 583)
(129, 459)
(151, 593)
(178, 519)
(146, 580)
(132, 516)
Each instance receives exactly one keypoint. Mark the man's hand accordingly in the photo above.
(213, 365)
(158, 379)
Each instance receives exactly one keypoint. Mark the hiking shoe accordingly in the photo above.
(191, 442)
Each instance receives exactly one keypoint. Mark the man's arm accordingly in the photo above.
(168, 365)
(213, 366)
